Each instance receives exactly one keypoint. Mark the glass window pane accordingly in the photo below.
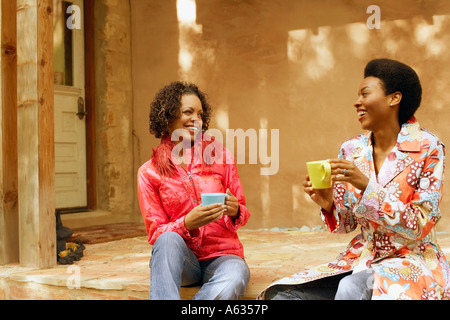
(62, 44)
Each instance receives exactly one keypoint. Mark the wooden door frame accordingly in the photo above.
(89, 38)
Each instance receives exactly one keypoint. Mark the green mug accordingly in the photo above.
(319, 174)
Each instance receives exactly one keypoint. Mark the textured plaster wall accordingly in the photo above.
(290, 65)
(114, 108)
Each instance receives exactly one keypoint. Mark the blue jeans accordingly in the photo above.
(174, 265)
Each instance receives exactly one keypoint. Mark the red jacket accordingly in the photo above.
(164, 201)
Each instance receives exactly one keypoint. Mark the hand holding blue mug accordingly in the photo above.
(228, 200)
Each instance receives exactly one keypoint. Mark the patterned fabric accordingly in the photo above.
(164, 201)
(397, 214)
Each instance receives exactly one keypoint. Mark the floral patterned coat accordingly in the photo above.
(397, 213)
(164, 201)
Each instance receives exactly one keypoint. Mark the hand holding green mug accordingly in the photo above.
(319, 174)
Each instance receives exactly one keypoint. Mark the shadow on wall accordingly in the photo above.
(295, 66)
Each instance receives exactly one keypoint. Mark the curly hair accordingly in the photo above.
(398, 77)
(165, 107)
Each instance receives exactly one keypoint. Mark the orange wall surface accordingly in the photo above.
(294, 66)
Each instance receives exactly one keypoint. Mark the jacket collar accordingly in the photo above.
(409, 140)
(410, 137)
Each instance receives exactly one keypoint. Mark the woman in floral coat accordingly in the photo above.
(388, 181)
(192, 244)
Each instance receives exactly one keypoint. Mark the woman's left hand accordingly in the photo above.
(231, 205)
(346, 171)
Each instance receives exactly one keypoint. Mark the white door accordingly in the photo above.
(70, 121)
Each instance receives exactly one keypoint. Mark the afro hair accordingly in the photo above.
(398, 77)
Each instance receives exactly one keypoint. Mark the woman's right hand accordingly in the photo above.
(200, 216)
(323, 197)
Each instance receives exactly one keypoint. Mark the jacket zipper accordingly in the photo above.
(199, 244)
(193, 186)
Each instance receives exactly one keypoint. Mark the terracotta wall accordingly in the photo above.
(114, 109)
(294, 66)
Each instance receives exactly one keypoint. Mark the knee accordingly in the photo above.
(354, 287)
(244, 271)
(168, 242)
(346, 284)
(240, 271)
(168, 239)
(238, 279)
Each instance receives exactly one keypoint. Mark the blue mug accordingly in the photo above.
(211, 198)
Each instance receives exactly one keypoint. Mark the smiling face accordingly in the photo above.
(373, 106)
(189, 119)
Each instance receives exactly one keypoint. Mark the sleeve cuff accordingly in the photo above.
(185, 233)
(237, 222)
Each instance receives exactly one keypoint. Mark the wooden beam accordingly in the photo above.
(9, 227)
(36, 150)
(89, 40)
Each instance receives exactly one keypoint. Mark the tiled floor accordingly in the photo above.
(119, 269)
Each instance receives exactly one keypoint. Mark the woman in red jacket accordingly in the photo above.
(191, 243)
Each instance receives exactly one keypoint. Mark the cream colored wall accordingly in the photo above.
(289, 65)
